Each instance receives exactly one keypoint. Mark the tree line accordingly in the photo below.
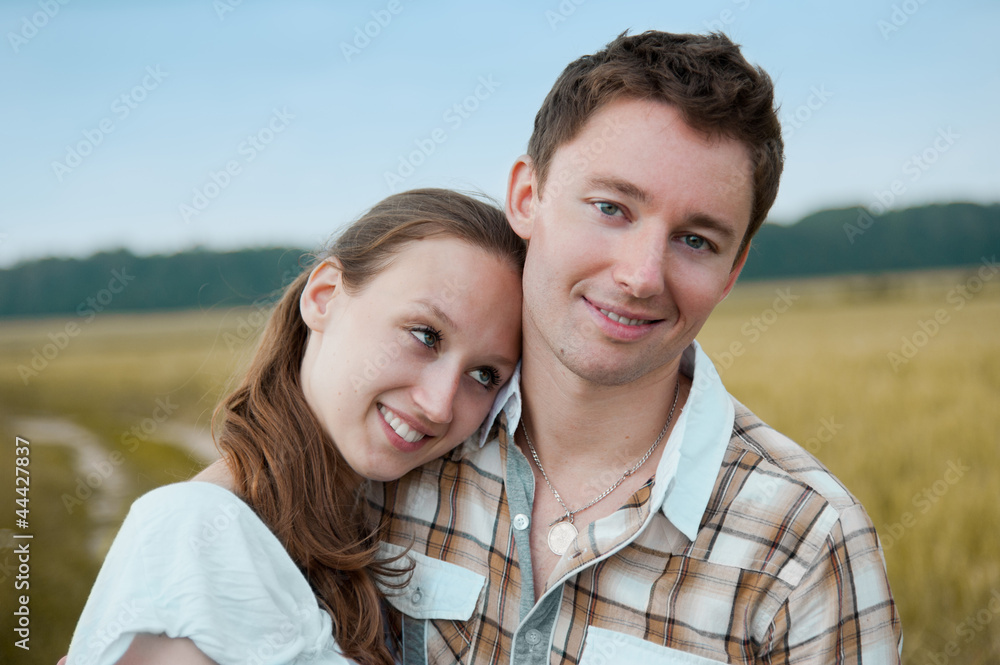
(831, 242)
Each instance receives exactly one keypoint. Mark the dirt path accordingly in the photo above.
(100, 486)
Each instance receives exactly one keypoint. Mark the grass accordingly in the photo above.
(819, 371)
(897, 430)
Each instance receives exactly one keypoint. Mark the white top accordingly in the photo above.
(193, 560)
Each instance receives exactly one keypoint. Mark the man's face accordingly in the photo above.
(633, 241)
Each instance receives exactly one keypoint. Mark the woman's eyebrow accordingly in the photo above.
(436, 310)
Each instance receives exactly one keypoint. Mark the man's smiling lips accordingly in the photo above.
(620, 323)
(622, 319)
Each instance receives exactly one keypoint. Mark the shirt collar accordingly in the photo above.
(692, 455)
(685, 476)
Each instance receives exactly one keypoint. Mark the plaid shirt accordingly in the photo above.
(743, 548)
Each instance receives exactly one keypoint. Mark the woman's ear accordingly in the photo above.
(521, 190)
(316, 301)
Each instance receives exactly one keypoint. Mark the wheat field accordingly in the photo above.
(893, 382)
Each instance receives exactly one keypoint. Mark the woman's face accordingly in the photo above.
(406, 369)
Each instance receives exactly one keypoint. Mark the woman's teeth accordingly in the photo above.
(622, 319)
(398, 426)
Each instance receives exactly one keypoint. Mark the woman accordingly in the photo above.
(387, 354)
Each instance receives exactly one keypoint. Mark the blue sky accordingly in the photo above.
(119, 120)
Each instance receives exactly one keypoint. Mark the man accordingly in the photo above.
(629, 509)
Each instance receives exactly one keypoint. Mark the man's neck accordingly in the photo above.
(587, 436)
(585, 427)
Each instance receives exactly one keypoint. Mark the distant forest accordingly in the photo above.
(830, 242)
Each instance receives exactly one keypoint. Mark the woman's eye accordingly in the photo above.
(609, 209)
(426, 336)
(695, 242)
(486, 376)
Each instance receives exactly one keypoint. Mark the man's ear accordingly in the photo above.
(735, 272)
(521, 199)
(317, 297)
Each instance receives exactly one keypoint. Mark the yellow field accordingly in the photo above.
(125, 406)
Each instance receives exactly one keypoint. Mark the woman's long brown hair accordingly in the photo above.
(284, 464)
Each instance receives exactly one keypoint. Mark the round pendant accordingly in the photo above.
(561, 534)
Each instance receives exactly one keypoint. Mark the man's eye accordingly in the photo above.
(486, 376)
(426, 336)
(609, 209)
(695, 242)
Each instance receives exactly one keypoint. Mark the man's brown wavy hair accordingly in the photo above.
(284, 464)
(704, 76)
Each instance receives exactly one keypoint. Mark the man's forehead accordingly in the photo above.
(634, 123)
(631, 117)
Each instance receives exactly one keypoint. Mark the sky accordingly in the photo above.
(161, 126)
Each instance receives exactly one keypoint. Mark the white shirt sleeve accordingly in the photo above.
(193, 560)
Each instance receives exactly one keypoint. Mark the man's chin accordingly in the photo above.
(612, 370)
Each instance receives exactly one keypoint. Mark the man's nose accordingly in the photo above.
(639, 270)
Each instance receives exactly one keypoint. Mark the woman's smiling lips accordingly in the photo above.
(404, 434)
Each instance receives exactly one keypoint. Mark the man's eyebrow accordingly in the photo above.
(623, 187)
(436, 310)
(703, 221)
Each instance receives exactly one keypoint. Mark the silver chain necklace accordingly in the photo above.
(562, 532)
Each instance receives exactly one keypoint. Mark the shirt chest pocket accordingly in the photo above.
(604, 647)
(437, 590)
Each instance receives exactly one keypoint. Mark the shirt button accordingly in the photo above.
(521, 522)
(416, 597)
(533, 637)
